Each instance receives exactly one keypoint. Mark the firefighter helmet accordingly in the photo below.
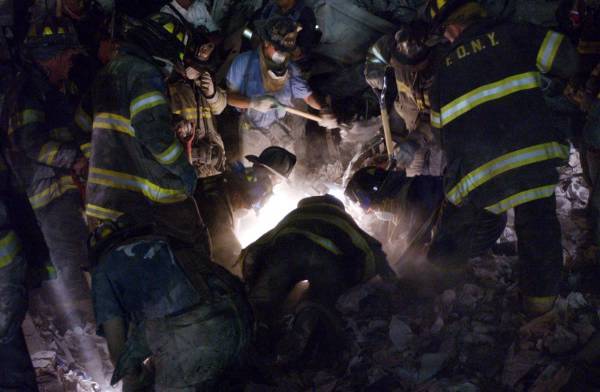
(411, 43)
(49, 37)
(280, 31)
(163, 36)
(276, 160)
(365, 186)
(438, 10)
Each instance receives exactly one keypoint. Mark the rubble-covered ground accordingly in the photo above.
(471, 337)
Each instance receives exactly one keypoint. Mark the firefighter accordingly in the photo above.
(591, 140)
(301, 13)
(190, 326)
(239, 188)
(195, 101)
(16, 370)
(410, 206)
(259, 82)
(42, 149)
(193, 12)
(501, 146)
(581, 19)
(320, 243)
(413, 60)
(138, 167)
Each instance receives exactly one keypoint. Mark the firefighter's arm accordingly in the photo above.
(151, 119)
(82, 126)
(218, 102)
(556, 56)
(435, 117)
(29, 132)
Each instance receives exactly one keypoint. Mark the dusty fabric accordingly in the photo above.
(540, 248)
(462, 233)
(66, 236)
(193, 350)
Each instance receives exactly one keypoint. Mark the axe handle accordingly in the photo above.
(301, 113)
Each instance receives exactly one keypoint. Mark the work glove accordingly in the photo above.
(207, 86)
(263, 103)
(328, 119)
(404, 152)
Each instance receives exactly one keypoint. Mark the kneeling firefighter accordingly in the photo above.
(319, 243)
(193, 323)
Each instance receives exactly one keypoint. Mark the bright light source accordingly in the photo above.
(248, 33)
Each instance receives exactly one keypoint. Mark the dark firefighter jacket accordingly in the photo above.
(217, 212)
(136, 161)
(323, 220)
(42, 145)
(501, 146)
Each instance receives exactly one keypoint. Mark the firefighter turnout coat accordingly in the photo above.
(488, 111)
(136, 161)
(42, 144)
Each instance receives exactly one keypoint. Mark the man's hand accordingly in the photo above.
(263, 103)
(328, 119)
(184, 131)
(207, 86)
(191, 73)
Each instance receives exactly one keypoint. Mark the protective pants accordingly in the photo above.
(192, 351)
(467, 231)
(66, 235)
(16, 371)
(463, 232)
(539, 246)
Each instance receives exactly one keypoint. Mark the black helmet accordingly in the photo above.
(276, 160)
(372, 185)
(49, 37)
(280, 31)
(411, 43)
(163, 36)
(438, 11)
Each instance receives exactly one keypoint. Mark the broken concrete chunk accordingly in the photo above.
(431, 364)
(400, 333)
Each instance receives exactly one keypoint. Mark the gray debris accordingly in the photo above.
(400, 333)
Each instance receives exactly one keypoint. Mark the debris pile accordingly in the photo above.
(471, 337)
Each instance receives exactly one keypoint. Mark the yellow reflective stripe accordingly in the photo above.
(187, 113)
(548, 50)
(191, 114)
(435, 119)
(86, 150)
(521, 198)
(48, 152)
(170, 27)
(10, 246)
(113, 122)
(56, 189)
(504, 163)
(146, 101)
(83, 120)
(117, 180)
(588, 47)
(102, 213)
(29, 116)
(47, 31)
(323, 242)
(171, 154)
(487, 93)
